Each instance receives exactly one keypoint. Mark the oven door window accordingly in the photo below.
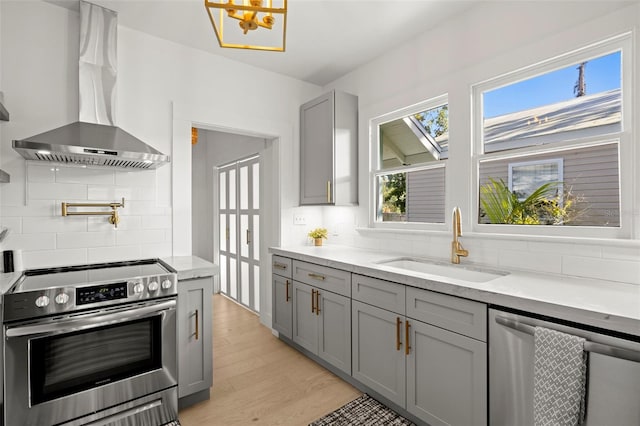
(64, 364)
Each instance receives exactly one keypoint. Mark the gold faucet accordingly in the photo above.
(456, 247)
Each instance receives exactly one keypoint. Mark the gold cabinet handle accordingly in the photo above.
(398, 326)
(317, 276)
(197, 325)
(279, 265)
(248, 237)
(407, 346)
(227, 233)
(329, 191)
(317, 302)
(313, 306)
(286, 291)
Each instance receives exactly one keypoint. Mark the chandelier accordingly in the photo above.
(261, 24)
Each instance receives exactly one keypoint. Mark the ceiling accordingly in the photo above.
(326, 39)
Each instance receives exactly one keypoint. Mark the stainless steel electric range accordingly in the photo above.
(91, 345)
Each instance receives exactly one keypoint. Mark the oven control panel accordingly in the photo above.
(101, 293)
(66, 299)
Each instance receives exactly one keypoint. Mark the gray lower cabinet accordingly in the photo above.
(282, 305)
(446, 377)
(378, 351)
(423, 351)
(438, 375)
(322, 324)
(194, 335)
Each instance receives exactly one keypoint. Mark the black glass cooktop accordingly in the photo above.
(69, 276)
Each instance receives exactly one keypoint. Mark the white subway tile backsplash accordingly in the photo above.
(54, 224)
(586, 250)
(143, 208)
(34, 208)
(140, 237)
(85, 239)
(48, 258)
(622, 253)
(32, 211)
(116, 193)
(56, 191)
(40, 241)
(537, 262)
(136, 178)
(156, 250)
(13, 223)
(41, 173)
(12, 195)
(605, 269)
(112, 254)
(86, 175)
(156, 222)
(101, 223)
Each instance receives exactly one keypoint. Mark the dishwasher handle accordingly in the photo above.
(589, 346)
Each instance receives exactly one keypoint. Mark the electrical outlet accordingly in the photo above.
(299, 219)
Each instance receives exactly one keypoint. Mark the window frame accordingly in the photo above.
(623, 138)
(376, 169)
(559, 162)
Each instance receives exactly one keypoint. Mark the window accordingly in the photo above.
(549, 142)
(526, 177)
(409, 177)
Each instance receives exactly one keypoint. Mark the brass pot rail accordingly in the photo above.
(114, 219)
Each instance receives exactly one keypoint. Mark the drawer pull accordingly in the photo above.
(279, 265)
(286, 292)
(317, 276)
(313, 306)
(398, 327)
(407, 347)
(317, 302)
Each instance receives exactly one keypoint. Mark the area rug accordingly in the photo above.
(363, 411)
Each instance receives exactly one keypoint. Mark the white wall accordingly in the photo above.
(489, 40)
(156, 78)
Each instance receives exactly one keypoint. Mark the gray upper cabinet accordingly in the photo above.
(329, 150)
(194, 316)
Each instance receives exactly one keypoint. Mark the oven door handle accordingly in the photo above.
(89, 321)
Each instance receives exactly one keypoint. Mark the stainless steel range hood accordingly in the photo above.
(94, 140)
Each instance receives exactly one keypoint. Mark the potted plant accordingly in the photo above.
(318, 234)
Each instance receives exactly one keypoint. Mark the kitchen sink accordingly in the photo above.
(442, 269)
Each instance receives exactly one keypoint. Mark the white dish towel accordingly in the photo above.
(559, 378)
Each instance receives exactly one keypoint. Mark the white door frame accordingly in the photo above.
(277, 180)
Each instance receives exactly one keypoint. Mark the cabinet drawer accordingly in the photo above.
(323, 277)
(451, 313)
(380, 293)
(281, 266)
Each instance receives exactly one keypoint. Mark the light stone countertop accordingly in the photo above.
(607, 304)
(190, 267)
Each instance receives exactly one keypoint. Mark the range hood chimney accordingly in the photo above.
(94, 139)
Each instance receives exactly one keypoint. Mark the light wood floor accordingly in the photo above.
(259, 380)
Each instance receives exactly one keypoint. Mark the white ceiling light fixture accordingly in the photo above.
(262, 23)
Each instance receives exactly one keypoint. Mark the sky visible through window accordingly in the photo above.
(601, 74)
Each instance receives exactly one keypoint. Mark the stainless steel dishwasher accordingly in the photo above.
(613, 383)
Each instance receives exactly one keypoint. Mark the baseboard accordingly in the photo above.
(194, 398)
